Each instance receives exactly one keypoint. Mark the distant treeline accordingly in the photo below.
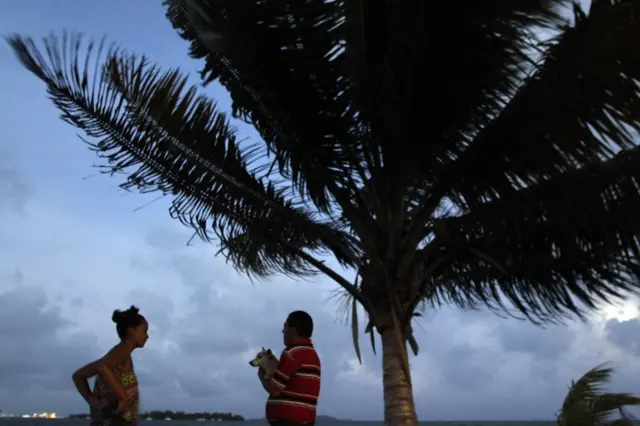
(177, 415)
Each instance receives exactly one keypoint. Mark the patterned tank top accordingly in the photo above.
(107, 416)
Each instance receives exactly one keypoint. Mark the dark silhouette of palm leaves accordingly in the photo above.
(587, 404)
(533, 143)
(449, 158)
(182, 146)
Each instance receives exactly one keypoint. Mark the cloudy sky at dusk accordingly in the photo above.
(73, 247)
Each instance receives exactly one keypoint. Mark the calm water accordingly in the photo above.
(66, 422)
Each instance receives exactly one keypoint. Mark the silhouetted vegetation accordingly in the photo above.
(586, 403)
(177, 415)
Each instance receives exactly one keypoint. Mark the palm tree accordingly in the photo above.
(522, 196)
(586, 404)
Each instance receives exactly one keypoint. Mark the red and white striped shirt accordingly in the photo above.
(298, 375)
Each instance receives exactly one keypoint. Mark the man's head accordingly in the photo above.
(298, 325)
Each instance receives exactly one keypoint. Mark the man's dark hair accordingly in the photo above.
(302, 323)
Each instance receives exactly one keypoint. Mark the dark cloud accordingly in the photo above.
(200, 386)
(77, 302)
(206, 322)
(543, 343)
(210, 342)
(471, 365)
(39, 349)
(25, 316)
(464, 369)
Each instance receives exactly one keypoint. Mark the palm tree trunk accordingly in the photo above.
(399, 408)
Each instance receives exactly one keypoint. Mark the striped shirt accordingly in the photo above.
(298, 376)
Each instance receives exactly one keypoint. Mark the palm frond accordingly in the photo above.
(606, 405)
(587, 404)
(169, 139)
(347, 314)
(363, 57)
(457, 70)
(265, 67)
(573, 238)
(581, 104)
(589, 386)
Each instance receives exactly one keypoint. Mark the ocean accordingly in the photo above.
(73, 422)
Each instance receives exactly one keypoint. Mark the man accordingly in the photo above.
(295, 386)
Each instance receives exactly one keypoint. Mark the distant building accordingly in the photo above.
(40, 416)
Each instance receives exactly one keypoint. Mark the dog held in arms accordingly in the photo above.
(265, 360)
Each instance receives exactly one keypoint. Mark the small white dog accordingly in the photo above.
(265, 360)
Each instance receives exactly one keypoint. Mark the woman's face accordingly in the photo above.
(140, 334)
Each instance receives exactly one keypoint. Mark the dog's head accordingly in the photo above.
(261, 357)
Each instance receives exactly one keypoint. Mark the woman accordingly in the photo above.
(114, 400)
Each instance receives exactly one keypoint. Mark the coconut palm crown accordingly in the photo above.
(586, 404)
(480, 153)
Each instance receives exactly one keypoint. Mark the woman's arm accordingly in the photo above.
(80, 380)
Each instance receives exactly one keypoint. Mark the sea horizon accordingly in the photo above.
(321, 419)
(9, 421)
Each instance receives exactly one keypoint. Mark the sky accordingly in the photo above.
(73, 247)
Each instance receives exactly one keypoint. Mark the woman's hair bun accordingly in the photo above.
(132, 310)
(118, 315)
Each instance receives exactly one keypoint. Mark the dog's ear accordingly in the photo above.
(262, 348)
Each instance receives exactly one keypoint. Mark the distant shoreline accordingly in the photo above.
(179, 415)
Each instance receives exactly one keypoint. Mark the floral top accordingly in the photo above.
(107, 416)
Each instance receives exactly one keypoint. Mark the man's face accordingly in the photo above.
(288, 334)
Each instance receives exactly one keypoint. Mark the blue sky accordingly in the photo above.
(72, 249)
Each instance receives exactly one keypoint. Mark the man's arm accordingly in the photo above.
(287, 367)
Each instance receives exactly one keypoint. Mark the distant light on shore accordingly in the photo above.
(40, 416)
